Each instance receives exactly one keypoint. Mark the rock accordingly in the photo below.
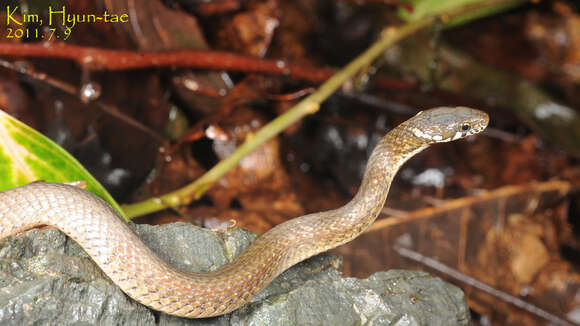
(46, 278)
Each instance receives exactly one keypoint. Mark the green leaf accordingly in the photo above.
(482, 8)
(26, 156)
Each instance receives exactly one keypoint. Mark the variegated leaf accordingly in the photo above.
(26, 156)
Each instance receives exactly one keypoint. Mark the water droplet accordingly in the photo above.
(90, 92)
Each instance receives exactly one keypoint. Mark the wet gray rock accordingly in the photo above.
(46, 278)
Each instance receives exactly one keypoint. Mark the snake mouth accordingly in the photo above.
(472, 131)
(440, 139)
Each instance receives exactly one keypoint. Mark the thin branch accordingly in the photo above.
(112, 60)
(561, 187)
(115, 60)
(212, 8)
(470, 281)
(74, 91)
(401, 4)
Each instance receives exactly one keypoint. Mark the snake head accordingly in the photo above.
(445, 124)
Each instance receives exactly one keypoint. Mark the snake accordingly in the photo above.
(147, 278)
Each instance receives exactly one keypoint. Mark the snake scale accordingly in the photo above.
(145, 277)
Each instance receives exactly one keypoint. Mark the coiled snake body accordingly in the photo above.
(145, 277)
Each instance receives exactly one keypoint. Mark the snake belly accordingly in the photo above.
(146, 278)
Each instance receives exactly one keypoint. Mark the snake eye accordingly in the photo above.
(466, 126)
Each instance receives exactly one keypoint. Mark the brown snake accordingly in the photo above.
(145, 277)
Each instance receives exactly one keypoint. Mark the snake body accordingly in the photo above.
(145, 277)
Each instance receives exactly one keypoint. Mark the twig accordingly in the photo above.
(561, 187)
(395, 3)
(212, 8)
(107, 59)
(381, 104)
(470, 281)
(26, 70)
(74, 91)
(291, 96)
(115, 60)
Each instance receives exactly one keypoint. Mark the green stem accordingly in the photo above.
(307, 106)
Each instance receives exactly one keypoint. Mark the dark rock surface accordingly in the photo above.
(45, 278)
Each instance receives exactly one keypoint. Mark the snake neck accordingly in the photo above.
(392, 151)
